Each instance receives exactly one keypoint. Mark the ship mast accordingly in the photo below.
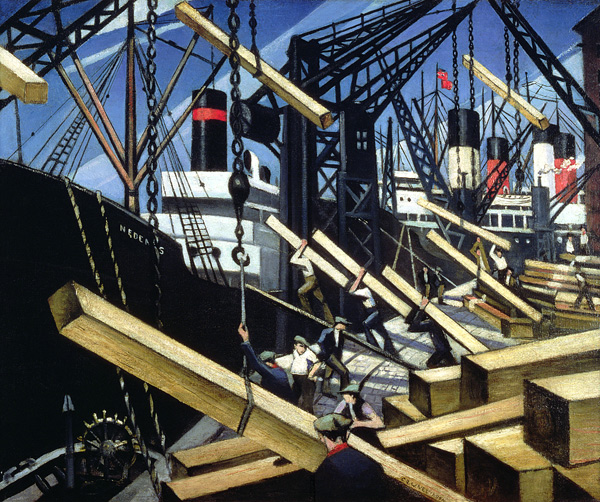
(131, 197)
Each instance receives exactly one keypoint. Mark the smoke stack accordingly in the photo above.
(209, 131)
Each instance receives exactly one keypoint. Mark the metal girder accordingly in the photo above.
(421, 156)
(34, 35)
(389, 182)
(551, 68)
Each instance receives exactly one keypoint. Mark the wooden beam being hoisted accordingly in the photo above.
(354, 268)
(195, 380)
(286, 90)
(189, 377)
(469, 227)
(449, 325)
(20, 80)
(484, 277)
(520, 104)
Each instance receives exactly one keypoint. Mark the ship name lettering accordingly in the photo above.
(132, 234)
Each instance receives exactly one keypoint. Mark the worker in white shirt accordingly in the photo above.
(299, 363)
(500, 261)
(310, 283)
(569, 246)
(584, 247)
(584, 289)
(375, 331)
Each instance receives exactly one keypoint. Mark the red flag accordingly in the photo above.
(442, 74)
(446, 84)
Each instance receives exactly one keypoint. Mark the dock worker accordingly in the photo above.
(584, 248)
(420, 322)
(311, 285)
(500, 262)
(274, 378)
(584, 288)
(346, 474)
(299, 363)
(569, 246)
(365, 420)
(440, 285)
(375, 331)
(329, 351)
(426, 281)
(510, 281)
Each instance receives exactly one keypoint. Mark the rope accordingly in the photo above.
(128, 405)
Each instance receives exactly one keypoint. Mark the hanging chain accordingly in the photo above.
(152, 162)
(519, 174)
(239, 186)
(508, 75)
(254, 48)
(460, 204)
(471, 55)
(130, 410)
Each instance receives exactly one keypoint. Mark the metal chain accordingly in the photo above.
(471, 55)
(152, 162)
(153, 413)
(254, 48)
(508, 75)
(456, 101)
(239, 185)
(519, 174)
(130, 411)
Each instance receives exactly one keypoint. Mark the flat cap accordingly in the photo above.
(267, 356)
(301, 339)
(352, 388)
(333, 422)
(341, 320)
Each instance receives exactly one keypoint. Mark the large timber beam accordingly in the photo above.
(449, 325)
(520, 104)
(286, 90)
(354, 268)
(21, 81)
(189, 377)
(484, 277)
(469, 227)
(195, 380)
(458, 424)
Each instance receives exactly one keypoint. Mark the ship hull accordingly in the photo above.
(42, 249)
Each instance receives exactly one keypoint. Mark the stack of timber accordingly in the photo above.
(554, 288)
(515, 424)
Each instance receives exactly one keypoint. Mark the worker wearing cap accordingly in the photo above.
(440, 284)
(364, 419)
(299, 363)
(274, 378)
(345, 474)
(329, 350)
(584, 247)
(584, 288)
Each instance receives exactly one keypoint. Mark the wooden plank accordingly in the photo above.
(568, 299)
(556, 285)
(456, 424)
(484, 277)
(518, 327)
(530, 112)
(436, 391)
(286, 90)
(589, 260)
(586, 477)
(406, 475)
(21, 81)
(499, 374)
(449, 325)
(558, 277)
(217, 455)
(354, 268)
(562, 417)
(398, 411)
(445, 461)
(295, 241)
(189, 377)
(500, 466)
(192, 488)
(558, 268)
(465, 225)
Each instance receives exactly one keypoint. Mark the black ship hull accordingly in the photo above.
(42, 249)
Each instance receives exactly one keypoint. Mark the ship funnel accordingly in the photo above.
(463, 153)
(497, 155)
(565, 167)
(543, 156)
(209, 131)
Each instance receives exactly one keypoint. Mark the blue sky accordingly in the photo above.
(277, 21)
